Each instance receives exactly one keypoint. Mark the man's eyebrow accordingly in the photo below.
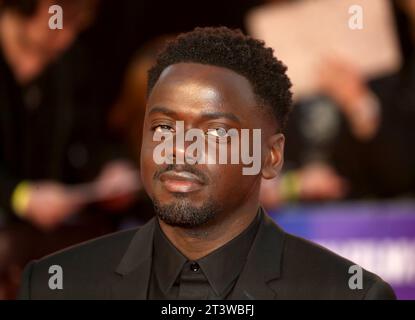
(161, 109)
(217, 115)
(205, 115)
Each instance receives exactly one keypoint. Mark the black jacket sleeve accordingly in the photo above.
(24, 293)
(380, 290)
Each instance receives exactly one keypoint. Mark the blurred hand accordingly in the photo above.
(117, 184)
(344, 83)
(316, 181)
(319, 181)
(50, 204)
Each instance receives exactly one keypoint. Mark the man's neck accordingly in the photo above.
(196, 243)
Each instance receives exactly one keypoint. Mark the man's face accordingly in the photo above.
(203, 97)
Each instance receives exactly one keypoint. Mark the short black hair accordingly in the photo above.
(224, 47)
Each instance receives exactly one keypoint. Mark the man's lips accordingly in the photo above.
(181, 181)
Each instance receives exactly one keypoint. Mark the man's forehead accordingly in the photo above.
(187, 84)
(188, 68)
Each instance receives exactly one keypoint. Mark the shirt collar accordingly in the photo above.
(168, 261)
(224, 265)
(221, 267)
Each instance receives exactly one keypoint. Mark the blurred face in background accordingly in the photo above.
(409, 7)
(28, 43)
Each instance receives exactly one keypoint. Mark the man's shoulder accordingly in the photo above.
(106, 248)
(85, 268)
(321, 273)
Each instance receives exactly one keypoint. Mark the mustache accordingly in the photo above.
(182, 167)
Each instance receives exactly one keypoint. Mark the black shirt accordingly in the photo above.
(214, 276)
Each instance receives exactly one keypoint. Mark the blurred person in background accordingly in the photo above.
(45, 123)
(28, 47)
(354, 140)
(50, 134)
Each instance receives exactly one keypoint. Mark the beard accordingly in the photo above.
(182, 213)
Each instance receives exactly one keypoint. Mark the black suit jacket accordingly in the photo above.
(279, 266)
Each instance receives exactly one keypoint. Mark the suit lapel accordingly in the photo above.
(134, 270)
(263, 264)
(255, 282)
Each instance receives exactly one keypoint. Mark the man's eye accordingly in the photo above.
(163, 128)
(218, 133)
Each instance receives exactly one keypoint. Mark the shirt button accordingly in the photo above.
(194, 267)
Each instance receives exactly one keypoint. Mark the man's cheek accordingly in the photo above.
(147, 171)
(226, 175)
(146, 155)
(147, 182)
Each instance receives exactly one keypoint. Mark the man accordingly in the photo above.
(210, 239)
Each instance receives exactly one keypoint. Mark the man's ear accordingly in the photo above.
(274, 158)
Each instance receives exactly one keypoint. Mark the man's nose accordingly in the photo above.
(180, 151)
